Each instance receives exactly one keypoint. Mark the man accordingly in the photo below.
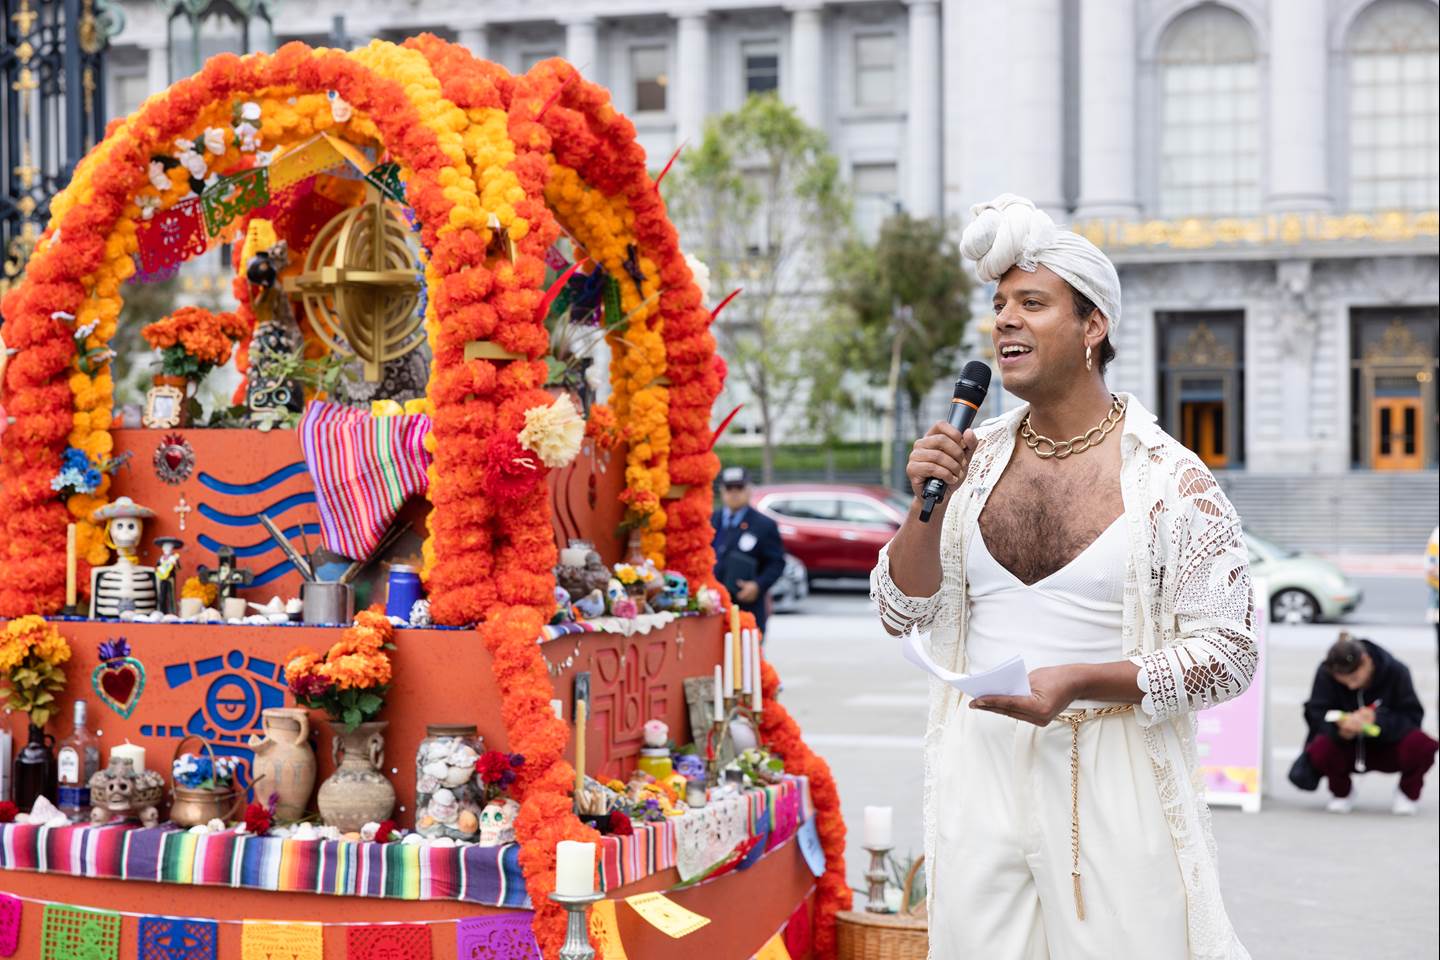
(1364, 715)
(749, 556)
(1114, 565)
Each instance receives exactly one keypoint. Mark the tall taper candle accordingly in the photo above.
(745, 663)
(70, 565)
(755, 652)
(729, 664)
(582, 714)
(719, 699)
(735, 631)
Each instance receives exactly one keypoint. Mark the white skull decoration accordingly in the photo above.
(497, 822)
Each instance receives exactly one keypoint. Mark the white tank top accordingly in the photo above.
(1075, 615)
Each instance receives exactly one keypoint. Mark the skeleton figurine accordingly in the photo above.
(124, 585)
(497, 822)
(167, 571)
(268, 396)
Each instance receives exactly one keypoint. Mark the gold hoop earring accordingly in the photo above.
(1089, 363)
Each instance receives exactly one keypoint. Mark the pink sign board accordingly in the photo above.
(1230, 738)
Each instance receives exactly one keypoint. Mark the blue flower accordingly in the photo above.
(90, 480)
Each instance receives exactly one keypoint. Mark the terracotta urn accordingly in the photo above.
(357, 793)
(284, 758)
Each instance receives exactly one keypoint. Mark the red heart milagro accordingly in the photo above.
(119, 682)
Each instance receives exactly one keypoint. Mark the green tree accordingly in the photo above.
(761, 202)
(901, 307)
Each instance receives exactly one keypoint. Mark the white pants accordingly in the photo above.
(1003, 887)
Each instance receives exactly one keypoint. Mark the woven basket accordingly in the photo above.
(886, 936)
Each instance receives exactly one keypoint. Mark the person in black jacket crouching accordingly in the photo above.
(1364, 715)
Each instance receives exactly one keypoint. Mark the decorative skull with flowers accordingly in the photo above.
(497, 822)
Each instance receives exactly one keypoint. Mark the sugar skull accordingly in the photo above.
(497, 822)
(614, 592)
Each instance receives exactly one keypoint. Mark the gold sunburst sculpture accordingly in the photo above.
(361, 285)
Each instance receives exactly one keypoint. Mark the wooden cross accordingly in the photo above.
(226, 577)
(183, 509)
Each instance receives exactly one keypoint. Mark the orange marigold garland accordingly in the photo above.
(780, 732)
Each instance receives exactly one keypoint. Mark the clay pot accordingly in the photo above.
(356, 793)
(286, 761)
(190, 808)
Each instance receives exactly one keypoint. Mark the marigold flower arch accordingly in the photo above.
(474, 143)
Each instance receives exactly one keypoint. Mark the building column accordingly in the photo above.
(582, 45)
(1107, 111)
(157, 67)
(1298, 62)
(806, 66)
(1004, 69)
(923, 119)
(476, 39)
(691, 75)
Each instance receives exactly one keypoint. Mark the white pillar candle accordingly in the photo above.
(129, 751)
(730, 639)
(879, 827)
(559, 707)
(745, 662)
(572, 557)
(719, 698)
(574, 868)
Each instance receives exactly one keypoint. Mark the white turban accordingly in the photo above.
(1010, 232)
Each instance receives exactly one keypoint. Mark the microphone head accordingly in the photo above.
(974, 382)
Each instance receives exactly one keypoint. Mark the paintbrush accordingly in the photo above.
(301, 564)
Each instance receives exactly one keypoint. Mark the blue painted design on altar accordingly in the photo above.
(272, 511)
(258, 486)
(260, 547)
(228, 708)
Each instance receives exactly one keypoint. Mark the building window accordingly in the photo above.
(875, 70)
(762, 66)
(1209, 115)
(127, 92)
(1394, 109)
(877, 188)
(528, 58)
(648, 66)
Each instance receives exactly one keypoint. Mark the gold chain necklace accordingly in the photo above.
(1064, 448)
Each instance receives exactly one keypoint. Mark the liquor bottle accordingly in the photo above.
(77, 760)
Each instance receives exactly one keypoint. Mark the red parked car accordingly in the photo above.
(835, 529)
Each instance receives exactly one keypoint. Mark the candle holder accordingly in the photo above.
(577, 927)
(876, 877)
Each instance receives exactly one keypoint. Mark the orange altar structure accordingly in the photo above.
(491, 169)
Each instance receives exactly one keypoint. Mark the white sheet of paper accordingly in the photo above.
(1010, 679)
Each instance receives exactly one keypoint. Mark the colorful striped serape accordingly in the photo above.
(364, 468)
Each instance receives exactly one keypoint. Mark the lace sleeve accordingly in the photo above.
(1203, 568)
(899, 611)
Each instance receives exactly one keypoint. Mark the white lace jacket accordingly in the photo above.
(1188, 624)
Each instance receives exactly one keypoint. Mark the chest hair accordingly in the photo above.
(1044, 513)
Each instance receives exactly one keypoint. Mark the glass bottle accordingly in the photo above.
(447, 799)
(35, 770)
(76, 762)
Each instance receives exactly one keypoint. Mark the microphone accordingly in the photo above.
(970, 392)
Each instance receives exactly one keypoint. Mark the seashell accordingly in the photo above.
(468, 822)
(435, 768)
(305, 831)
(413, 840)
(424, 823)
(465, 756)
(368, 831)
(216, 825)
(427, 784)
(352, 837)
(459, 776)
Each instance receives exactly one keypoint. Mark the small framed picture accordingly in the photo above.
(162, 407)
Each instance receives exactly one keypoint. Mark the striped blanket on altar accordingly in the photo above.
(485, 875)
(364, 469)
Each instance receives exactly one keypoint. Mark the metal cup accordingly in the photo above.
(327, 602)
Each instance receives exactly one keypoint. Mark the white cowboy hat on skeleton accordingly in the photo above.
(122, 507)
(1010, 232)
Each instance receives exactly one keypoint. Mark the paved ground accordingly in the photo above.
(1300, 883)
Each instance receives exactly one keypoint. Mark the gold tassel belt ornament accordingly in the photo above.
(1074, 720)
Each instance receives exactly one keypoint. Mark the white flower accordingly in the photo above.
(215, 139)
(701, 273)
(553, 433)
(251, 111)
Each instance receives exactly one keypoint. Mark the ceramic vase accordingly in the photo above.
(284, 761)
(357, 792)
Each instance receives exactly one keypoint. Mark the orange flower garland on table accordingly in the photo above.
(780, 732)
